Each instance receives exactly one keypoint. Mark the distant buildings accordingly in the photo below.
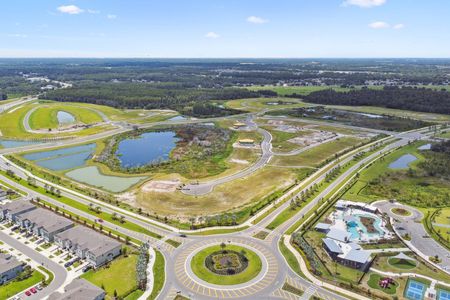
(79, 289)
(10, 268)
(87, 244)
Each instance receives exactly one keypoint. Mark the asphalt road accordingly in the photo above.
(59, 271)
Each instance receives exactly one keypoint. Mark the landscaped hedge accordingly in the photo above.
(209, 263)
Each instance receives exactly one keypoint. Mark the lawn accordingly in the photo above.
(119, 276)
(14, 287)
(252, 270)
(373, 283)
(159, 275)
(402, 264)
(290, 258)
(46, 115)
(313, 157)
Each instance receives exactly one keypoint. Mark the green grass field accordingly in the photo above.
(199, 269)
(15, 286)
(159, 275)
(373, 283)
(313, 157)
(46, 115)
(119, 276)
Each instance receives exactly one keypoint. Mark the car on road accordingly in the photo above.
(99, 220)
(182, 235)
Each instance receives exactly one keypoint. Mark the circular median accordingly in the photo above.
(399, 211)
(224, 264)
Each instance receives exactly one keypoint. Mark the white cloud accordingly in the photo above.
(399, 26)
(379, 25)
(18, 35)
(93, 11)
(70, 9)
(212, 35)
(256, 20)
(364, 3)
(111, 17)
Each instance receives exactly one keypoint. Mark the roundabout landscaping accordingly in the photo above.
(226, 264)
(401, 212)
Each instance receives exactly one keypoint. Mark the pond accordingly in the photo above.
(65, 118)
(92, 176)
(178, 118)
(63, 159)
(425, 147)
(403, 162)
(148, 148)
(16, 143)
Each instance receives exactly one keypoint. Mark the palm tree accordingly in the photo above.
(223, 246)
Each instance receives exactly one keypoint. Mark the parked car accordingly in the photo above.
(86, 268)
(68, 264)
(28, 293)
(39, 287)
(33, 290)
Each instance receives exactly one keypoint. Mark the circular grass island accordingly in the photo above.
(226, 264)
(401, 212)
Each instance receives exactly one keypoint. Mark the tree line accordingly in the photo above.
(409, 98)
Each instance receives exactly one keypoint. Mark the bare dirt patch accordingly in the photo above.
(161, 186)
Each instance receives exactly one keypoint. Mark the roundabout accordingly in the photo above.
(226, 264)
(229, 275)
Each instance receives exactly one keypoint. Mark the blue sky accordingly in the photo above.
(225, 28)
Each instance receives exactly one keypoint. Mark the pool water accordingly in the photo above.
(355, 226)
(65, 118)
(403, 162)
(63, 159)
(443, 295)
(415, 290)
(149, 148)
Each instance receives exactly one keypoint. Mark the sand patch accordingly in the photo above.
(239, 161)
(161, 186)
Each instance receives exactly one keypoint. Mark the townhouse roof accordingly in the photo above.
(49, 221)
(17, 206)
(8, 262)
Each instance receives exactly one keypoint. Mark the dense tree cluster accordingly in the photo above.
(410, 98)
(437, 163)
(3, 96)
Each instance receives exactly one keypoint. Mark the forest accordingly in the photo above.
(410, 98)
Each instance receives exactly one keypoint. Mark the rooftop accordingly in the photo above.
(332, 245)
(8, 262)
(46, 219)
(359, 256)
(79, 289)
(17, 206)
(339, 235)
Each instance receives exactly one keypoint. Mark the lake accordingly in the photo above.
(92, 176)
(403, 162)
(63, 159)
(16, 143)
(65, 118)
(425, 147)
(148, 148)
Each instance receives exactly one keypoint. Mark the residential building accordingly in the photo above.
(43, 223)
(322, 227)
(88, 244)
(79, 289)
(10, 268)
(11, 210)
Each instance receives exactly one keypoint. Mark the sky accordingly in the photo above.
(225, 28)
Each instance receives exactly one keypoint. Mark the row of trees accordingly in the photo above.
(410, 98)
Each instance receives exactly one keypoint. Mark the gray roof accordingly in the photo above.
(332, 245)
(89, 239)
(359, 256)
(78, 289)
(322, 226)
(8, 262)
(17, 206)
(339, 235)
(48, 220)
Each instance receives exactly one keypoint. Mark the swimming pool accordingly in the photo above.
(415, 290)
(358, 231)
(443, 295)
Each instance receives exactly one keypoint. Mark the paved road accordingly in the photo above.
(59, 271)
(419, 236)
(206, 187)
(7, 106)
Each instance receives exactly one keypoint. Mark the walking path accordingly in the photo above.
(150, 278)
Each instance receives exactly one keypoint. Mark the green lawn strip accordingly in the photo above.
(292, 289)
(402, 264)
(199, 268)
(174, 243)
(290, 258)
(218, 231)
(159, 275)
(50, 275)
(374, 280)
(433, 230)
(134, 295)
(261, 235)
(17, 286)
(119, 276)
(102, 215)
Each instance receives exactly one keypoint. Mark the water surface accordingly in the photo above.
(403, 162)
(92, 176)
(65, 118)
(15, 144)
(150, 147)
